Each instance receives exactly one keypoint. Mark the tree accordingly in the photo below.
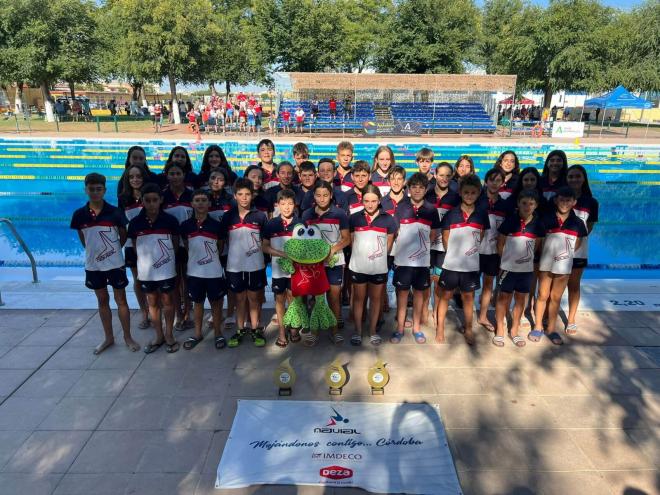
(299, 35)
(363, 30)
(42, 42)
(167, 39)
(429, 36)
(566, 46)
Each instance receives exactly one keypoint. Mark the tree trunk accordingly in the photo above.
(212, 88)
(227, 88)
(135, 88)
(72, 89)
(18, 98)
(48, 102)
(547, 94)
(175, 102)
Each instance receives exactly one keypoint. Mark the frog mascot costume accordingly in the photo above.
(306, 252)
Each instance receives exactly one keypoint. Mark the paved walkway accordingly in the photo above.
(582, 418)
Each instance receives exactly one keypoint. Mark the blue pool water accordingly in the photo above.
(41, 184)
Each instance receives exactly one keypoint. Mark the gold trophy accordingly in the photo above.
(285, 377)
(378, 377)
(335, 377)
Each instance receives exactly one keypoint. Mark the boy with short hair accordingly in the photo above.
(266, 154)
(344, 159)
(300, 153)
(155, 235)
(463, 229)
(206, 279)
(418, 227)
(285, 173)
(246, 270)
(360, 174)
(424, 159)
(102, 232)
(277, 231)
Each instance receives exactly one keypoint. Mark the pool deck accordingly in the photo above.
(582, 417)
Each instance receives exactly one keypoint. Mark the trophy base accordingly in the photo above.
(285, 391)
(377, 391)
(334, 391)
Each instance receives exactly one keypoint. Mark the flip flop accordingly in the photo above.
(258, 337)
(396, 337)
(375, 339)
(220, 342)
(571, 329)
(419, 337)
(356, 340)
(281, 343)
(172, 348)
(294, 335)
(488, 326)
(535, 335)
(518, 340)
(555, 338)
(191, 342)
(498, 341)
(152, 347)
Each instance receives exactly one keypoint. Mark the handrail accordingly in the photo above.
(17, 236)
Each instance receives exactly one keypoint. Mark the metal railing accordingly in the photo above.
(17, 236)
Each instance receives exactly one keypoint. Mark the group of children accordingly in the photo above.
(190, 237)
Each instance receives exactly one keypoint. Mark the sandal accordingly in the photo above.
(310, 338)
(281, 343)
(258, 338)
(178, 325)
(396, 337)
(498, 341)
(294, 335)
(488, 326)
(356, 339)
(419, 337)
(152, 347)
(235, 340)
(555, 338)
(220, 342)
(518, 340)
(375, 339)
(230, 321)
(571, 329)
(336, 338)
(172, 348)
(144, 324)
(191, 342)
(535, 335)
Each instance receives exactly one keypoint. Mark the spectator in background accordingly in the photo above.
(315, 109)
(258, 110)
(300, 119)
(332, 106)
(286, 117)
(76, 109)
(348, 107)
(112, 106)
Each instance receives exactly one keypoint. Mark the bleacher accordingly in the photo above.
(362, 111)
(445, 116)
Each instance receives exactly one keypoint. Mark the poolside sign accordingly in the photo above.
(385, 448)
(567, 129)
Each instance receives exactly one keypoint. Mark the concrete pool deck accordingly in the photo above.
(543, 419)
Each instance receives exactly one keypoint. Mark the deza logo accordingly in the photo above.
(336, 420)
(336, 472)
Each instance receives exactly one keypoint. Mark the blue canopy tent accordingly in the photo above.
(618, 98)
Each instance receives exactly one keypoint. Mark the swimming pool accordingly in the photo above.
(41, 184)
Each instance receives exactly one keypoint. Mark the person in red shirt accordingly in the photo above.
(252, 101)
(158, 116)
(332, 106)
(286, 116)
(241, 96)
(242, 119)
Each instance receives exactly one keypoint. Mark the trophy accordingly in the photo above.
(285, 377)
(335, 377)
(378, 377)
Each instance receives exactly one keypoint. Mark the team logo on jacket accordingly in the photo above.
(108, 240)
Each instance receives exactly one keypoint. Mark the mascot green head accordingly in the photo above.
(306, 245)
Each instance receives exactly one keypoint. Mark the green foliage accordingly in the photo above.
(430, 36)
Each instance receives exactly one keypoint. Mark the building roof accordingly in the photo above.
(301, 81)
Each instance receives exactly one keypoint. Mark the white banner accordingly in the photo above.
(385, 448)
(567, 129)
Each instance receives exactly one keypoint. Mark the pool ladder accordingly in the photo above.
(17, 236)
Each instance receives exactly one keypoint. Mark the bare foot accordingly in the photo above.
(131, 344)
(103, 346)
(440, 338)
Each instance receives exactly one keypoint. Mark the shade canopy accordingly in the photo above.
(619, 97)
(522, 101)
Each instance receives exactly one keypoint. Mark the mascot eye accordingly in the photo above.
(301, 232)
(311, 232)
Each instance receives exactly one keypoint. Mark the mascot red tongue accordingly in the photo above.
(309, 280)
